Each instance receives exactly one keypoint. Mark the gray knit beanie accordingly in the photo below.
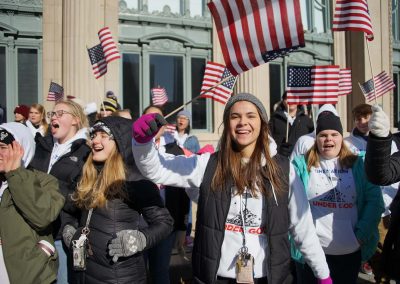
(249, 98)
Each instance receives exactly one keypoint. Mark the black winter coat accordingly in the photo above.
(176, 199)
(143, 198)
(302, 125)
(212, 211)
(67, 170)
(382, 168)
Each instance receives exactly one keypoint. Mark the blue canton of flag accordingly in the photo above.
(299, 77)
(99, 64)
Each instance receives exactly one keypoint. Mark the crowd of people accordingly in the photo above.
(89, 195)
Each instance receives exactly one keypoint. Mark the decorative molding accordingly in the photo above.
(165, 45)
(26, 3)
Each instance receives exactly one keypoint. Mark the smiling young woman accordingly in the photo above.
(346, 208)
(246, 207)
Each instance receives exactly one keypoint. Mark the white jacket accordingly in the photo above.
(181, 171)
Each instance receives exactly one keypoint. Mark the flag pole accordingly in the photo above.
(287, 124)
(370, 65)
(201, 94)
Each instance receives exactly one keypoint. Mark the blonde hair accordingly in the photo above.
(346, 157)
(43, 121)
(94, 188)
(77, 111)
(251, 175)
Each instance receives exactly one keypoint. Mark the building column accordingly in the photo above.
(69, 28)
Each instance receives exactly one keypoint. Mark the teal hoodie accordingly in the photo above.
(369, 206)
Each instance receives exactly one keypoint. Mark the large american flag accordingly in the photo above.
(99, 64)
(345, 86)
(214, 74)
(313, 85)
(353, 15)
(109, 47)
(252, 32)
(56, 92)
(383, 84)
(159, 96)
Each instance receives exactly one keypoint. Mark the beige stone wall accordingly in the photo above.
(69, 28)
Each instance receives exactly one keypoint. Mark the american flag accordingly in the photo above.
(159, 96)
(345, 86)
(383, 84)
(353, 15)
(213, 74)
(56, 92)
(254, 32)
(109, 47)
(99, 64)
(313, 85)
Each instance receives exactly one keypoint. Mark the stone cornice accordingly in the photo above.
(35, 6)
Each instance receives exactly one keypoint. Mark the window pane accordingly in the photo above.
(130, 69)
(305, 15)
(395, 19)
(158, 5)
(396, 100)
(199, 106)
(320, 13)
(167, 72)
(27, 76)
(196, 7)
(275, 90)
(3, 101)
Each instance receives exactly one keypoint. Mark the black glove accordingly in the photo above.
(285, 149)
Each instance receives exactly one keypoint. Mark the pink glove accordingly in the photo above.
(325, 281)
(147, 126)
(206, 149)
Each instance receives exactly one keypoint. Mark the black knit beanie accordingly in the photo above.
(249, 98)
(329, 121)
(6, 137)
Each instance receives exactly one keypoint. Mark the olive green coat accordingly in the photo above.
(28, 206)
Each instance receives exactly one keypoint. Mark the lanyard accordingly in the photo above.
(244, 248)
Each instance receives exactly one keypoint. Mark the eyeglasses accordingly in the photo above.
(58, 113)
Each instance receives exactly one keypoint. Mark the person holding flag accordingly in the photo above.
(246, 208)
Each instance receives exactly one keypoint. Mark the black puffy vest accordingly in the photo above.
(213, 208)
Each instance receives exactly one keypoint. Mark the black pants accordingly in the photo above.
(344, 269)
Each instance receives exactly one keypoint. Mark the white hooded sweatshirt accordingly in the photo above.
(181, 171)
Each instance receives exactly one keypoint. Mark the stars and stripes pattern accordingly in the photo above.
(252, 32)
(56, 92)
(110, 49)
(313, 85)
(99, 63)
(159, 96)
(383, 84)
(214, 74)
(345, 86)
(353, 15)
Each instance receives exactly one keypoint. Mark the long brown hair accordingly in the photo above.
(346, 157)
(94, 189)
(43, 121)
(251, 174)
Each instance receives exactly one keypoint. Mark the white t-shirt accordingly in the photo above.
(250, 208)
(332, 196)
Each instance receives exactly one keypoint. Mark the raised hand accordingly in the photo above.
(379, 124)
(147, 126)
